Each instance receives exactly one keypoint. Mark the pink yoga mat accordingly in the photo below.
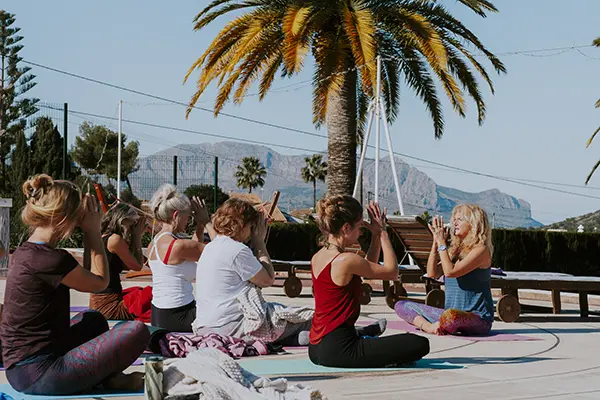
(494, 336)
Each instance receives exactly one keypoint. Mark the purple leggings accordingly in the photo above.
(452, 321)
(88, 354)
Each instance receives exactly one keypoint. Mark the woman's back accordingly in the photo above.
(334, 305)
(172, 283)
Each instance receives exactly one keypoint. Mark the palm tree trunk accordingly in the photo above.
(249, 189)
(341, 133)
(314, 194)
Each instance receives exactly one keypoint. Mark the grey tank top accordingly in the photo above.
(471, 292)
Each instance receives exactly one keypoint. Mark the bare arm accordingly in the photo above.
(479, 257)
(266, 276)
(370, 270)
(117, 245)
(434, 269)
(97, 277)
(374, 248)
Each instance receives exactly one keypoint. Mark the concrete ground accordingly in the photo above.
(563, 364)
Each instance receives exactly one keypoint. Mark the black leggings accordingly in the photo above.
(174, 319)
(344, 348)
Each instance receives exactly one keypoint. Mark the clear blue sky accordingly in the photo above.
(537, 126)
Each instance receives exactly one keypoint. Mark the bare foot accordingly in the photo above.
(428, 327)
(133, 382)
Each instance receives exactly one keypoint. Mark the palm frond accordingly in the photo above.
(592, 172)
(330, 53)
(419, 79)
(359, 27)
(296, 43)
(596, 42)
(362, 108)
(269, 76)
(598, 103)
(460, 69)
(476, 64)
(205, 17)
(591, 139)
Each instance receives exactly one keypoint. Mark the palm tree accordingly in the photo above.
(597, 44)
(315, 170)
(250, 174)
(417, 40)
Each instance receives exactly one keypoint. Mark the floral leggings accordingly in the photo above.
(452, 321)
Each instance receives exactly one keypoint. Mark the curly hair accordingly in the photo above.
(233, 216)
(51, 203)
(335, 211)
(479, 235)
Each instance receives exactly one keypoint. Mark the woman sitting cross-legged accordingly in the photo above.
(337, 287)
(229, 273)
(44, 351)
(467, 274)
(122, 230)
(173, 260)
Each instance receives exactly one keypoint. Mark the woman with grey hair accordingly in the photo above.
(173, 260)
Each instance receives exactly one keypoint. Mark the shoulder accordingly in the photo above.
(348, 261)
(114, 242)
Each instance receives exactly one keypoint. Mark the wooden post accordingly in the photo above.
(556, 305)
(583, 305)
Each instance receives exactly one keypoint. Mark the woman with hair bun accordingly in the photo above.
(336, 277)
(466, 266)
(45, 352)
(173, 260)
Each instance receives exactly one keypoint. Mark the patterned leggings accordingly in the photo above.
(452, 321)
(88, 354)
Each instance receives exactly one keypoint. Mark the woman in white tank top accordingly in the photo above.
(173, 260)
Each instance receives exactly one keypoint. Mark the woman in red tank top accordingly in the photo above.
(336, 276)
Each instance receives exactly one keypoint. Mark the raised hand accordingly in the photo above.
(200, 212)
(377, 220)
(91, 214)
(437, 229)
(259, 231)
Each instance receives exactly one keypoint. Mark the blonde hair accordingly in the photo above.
(233, 216)
(335, 211)
(166, 201)
(51, 203)
(480, 233)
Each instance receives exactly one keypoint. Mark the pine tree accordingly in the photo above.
(20, 170)
(46, 149)
(15, 81)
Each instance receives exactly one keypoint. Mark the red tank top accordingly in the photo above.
(334, 305)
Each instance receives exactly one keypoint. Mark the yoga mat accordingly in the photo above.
(494, 336)
(294, 366)
(79, 308)
(7, 390)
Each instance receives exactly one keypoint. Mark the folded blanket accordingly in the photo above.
(139, 302)
(267, 320)
(178, 345)
(211, 374)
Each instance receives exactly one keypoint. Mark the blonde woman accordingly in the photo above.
(45, 352)
(466, 266)
(173, 260)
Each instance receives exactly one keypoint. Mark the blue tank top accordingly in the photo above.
(471, 292)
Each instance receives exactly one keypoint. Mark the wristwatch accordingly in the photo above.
(442, 248)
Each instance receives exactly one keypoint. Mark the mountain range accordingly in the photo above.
(419, 193)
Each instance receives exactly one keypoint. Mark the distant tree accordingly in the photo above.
(15, 82)
(426, 216)
(20, 169)
(95, 150)
(207, 192)
(597, 44)
(250, 174)
(47, 151)
(315, 170)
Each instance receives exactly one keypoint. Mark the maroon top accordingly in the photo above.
(36, 304)
(334, 305)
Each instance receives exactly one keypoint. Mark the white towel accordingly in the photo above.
(211, 374)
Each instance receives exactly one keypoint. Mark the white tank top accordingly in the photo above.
(171, 284)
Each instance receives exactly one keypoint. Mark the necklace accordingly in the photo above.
(338, 248)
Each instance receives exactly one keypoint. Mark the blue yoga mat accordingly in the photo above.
(303, 366)
(7, 390)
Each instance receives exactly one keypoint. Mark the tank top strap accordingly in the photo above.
(328, 266)
(155, 250)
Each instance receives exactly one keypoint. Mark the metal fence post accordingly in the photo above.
(175, 170)
(216, 184)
